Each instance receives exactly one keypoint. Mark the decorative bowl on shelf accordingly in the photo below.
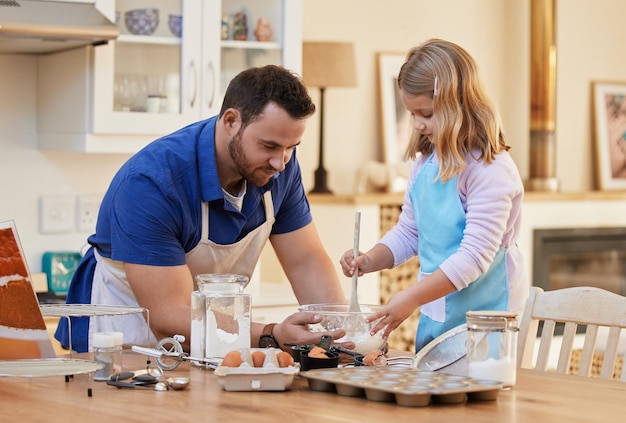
(175, 22)
(142, 21)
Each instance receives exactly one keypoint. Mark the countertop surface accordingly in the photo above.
(537, 397)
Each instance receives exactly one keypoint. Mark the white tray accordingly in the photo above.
(246, 377)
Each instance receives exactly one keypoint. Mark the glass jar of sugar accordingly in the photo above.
(492, 346)
(220, 316)
(107, 351)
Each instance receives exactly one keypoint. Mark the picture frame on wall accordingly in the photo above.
(395, 120)
(609, 115)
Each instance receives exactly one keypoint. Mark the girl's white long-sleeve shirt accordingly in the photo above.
(491, 195)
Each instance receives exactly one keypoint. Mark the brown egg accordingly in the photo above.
(232, 359)
(258, 358)
(284, 359)
(375, 358)
(318, 352)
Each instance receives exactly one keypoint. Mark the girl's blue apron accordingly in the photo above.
(440, 220)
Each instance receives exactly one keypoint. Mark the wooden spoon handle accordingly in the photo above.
(354, 300)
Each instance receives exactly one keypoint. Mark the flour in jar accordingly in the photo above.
(197, 340)
(502, 370)
(219, 341)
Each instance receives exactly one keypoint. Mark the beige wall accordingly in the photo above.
(590, 46)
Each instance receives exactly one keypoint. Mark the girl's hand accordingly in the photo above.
(399, 307)
(349, 264)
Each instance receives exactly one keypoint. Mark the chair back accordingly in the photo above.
(595, 308)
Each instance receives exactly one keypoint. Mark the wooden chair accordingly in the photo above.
(593, 307)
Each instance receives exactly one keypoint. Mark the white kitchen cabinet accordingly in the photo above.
(116, 98)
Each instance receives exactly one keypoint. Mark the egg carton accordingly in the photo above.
(405, 386)
(246, 377)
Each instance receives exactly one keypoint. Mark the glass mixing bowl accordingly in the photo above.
(338, 316)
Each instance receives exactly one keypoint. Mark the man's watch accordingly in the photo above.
(267, 340)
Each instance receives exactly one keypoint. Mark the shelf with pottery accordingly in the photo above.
(251, 45)
(148, 39)
(118, 97)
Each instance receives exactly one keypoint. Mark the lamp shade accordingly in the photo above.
(328, 64)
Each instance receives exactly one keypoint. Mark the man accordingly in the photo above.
(205, 199)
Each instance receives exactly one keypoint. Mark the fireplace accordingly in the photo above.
(580, 257)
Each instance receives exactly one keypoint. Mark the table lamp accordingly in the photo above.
(326, 64)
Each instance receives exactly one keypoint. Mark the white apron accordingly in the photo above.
(110, 285)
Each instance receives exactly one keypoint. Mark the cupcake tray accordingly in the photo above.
(405, 386)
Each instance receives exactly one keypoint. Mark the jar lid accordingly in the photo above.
(103, 340)
(119, 338)
(491, 313)
(493, 319)
(222, 283)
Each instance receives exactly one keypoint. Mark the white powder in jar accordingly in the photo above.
(502, 370)
(197, 339)
(219, 342)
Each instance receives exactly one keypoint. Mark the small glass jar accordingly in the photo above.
(492, 346)
(107, 350)
(220, 316)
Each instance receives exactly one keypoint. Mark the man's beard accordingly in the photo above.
(243, 166)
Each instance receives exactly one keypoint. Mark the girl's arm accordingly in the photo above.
(403, 303)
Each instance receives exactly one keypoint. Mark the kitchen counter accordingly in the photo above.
(538, 396)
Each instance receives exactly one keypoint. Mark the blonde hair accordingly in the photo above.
(466, 118)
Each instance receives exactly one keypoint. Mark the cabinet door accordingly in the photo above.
(210, 102)
(147, 81)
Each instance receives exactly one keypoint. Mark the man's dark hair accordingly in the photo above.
(254, 88)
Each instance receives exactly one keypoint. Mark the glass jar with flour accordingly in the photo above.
(220, 316)
(492, 345)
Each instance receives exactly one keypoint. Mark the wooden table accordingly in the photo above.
(537, 397)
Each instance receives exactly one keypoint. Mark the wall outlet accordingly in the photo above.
(56, 213)
(87, 207)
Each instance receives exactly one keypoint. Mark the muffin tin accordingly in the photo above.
(405, 386)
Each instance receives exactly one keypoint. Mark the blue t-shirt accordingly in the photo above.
(151, 214)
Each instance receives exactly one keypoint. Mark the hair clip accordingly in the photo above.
(436, 86)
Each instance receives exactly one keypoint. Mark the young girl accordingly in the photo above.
(462, 208)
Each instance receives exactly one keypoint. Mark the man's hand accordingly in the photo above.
(294, 330)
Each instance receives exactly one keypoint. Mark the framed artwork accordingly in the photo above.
(609, 106)
(395, 120)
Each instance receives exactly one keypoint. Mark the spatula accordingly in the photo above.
(354, 300)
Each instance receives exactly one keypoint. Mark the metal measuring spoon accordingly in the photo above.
(154, 370)
(157, 372)
(161, 386)
(176, 383)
